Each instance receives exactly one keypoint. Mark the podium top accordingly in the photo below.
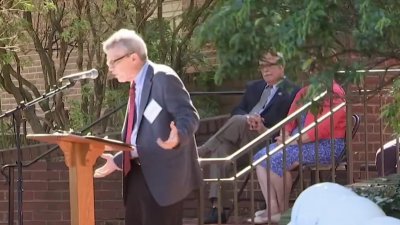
(57, 138)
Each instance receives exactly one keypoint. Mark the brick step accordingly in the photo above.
(194, 221)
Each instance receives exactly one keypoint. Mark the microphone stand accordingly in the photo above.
(16, 125)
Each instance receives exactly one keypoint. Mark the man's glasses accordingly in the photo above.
(268, 64)
(114, 61)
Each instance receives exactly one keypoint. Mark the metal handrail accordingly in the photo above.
(245, 149)
(264, 136)
(248, 148)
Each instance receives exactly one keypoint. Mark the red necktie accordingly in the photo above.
(129, 128)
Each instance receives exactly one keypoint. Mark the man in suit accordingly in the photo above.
(158, 174)
(265, 102)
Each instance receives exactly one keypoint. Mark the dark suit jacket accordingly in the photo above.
(170, 174)
(276, 109)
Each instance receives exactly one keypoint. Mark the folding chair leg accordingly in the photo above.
(296, 181)
(312, 177)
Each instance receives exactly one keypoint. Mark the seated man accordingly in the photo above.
(265, 101)
(387, 165)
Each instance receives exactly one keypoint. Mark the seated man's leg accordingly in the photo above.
(234, 132)
(217, 171)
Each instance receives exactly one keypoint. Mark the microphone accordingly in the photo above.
(89, 74)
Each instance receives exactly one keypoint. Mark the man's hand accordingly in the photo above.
(173, 139)
(107, 168)
(256, 122)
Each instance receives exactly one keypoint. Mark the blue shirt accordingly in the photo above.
(274, 89)
(139, 80)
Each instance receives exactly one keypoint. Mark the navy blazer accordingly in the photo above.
(277, 108)
(170, 174)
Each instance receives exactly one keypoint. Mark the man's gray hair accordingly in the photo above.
(281, 58)
(128, 40)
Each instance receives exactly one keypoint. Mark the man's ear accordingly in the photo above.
(134, 57)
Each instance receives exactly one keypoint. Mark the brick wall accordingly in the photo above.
(32, 71)
(46, 196)
(373, 131)
(172, 8)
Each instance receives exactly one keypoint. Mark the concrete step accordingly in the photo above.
(242, 221)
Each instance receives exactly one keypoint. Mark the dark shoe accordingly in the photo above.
(213, 217)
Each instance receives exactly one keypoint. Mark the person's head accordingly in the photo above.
(271, 67)
(126, 54)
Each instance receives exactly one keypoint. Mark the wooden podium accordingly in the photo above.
(80, 154)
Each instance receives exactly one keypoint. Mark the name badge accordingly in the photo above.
(152, 110)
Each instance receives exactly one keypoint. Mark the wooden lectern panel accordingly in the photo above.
(81, 152)
(92, 143)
